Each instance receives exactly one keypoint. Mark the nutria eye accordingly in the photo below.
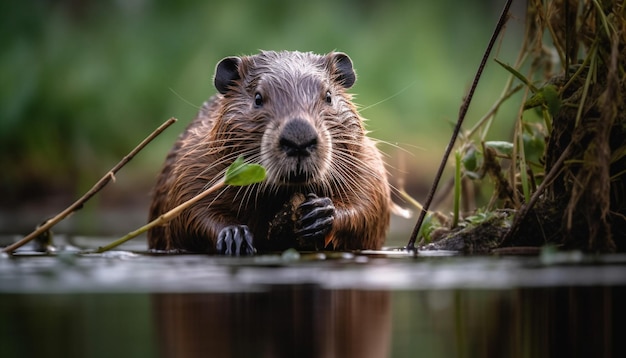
(258, 100)
(329, 98)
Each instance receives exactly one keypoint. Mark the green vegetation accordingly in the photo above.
(241, 173)
(563, 174)
(83, 82)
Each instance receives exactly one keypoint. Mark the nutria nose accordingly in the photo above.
(298, 138)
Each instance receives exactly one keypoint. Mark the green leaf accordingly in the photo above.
(240, 173)
(552, 100)
(535, 100)
(470, 160)
(502, 147)
(534, 146)
(428, 226)
(548, 96)
(515, 73)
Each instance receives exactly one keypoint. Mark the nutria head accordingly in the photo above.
(289, 111)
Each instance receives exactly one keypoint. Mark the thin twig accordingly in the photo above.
(457, 128)
(238, 174)
(162, 219)
(78, 204)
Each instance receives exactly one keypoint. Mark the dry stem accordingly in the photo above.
(457, 128)
(78, 204)
(162, 219)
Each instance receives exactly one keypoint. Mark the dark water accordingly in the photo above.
(125, 304)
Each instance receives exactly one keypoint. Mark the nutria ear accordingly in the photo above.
(343, 69)
(226, 73)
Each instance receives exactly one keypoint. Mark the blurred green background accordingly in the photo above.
(83, 82)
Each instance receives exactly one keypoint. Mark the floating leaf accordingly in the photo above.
(240, 173)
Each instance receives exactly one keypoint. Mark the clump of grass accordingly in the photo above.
(565, 175)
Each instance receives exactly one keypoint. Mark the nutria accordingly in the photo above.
(326, 184)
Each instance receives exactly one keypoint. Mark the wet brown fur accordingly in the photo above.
(346, 166)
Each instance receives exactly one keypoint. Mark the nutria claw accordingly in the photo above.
(315, 219)
(235, 240)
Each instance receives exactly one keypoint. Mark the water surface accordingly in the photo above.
(390, 304)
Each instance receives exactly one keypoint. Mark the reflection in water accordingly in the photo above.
(530, 322)
(124, 304)
(305, 321)
(287, 321)
(310, 321)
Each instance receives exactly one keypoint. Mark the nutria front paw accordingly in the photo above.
(315, 218)
(235, 240)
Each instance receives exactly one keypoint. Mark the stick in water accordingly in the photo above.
(78, 204)
(457, 128)
(162, 219)
(237, 174)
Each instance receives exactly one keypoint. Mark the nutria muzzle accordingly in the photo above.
(298, 138)
(299, 142)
